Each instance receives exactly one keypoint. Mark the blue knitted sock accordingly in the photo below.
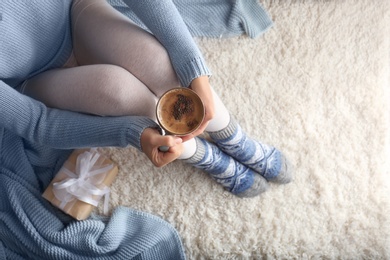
(264, 159)
(232, 175)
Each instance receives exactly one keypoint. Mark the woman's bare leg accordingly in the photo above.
(102, 35)
(121, 69)
(106, 90)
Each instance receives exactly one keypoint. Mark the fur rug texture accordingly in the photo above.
(316, 86)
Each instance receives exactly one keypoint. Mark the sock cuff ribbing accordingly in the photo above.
(199, 154)
(226, 132)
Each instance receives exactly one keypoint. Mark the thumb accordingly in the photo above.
(168, 141)
(171, 154)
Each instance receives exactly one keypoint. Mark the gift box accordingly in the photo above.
(81, 183)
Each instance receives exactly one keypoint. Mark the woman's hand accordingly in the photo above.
(202, 87)
(151, 140)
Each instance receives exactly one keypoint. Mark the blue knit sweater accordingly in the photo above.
(36, 140)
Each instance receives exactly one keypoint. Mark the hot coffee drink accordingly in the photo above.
(180, 111)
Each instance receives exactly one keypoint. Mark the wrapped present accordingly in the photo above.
(81, 183)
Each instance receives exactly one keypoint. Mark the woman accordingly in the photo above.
(64, 65)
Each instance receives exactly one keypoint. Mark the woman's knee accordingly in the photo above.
(123, 93)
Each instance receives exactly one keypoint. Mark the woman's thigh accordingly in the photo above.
(102, 35)
(106, 90)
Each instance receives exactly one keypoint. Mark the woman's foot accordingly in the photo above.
(232, 175)
(264, 159)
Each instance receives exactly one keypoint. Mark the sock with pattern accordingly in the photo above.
(232, 175)
(264, 159)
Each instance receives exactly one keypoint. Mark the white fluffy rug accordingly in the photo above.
(316, 86)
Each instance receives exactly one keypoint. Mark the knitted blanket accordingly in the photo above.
(31, 228)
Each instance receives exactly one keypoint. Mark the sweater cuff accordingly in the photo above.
(192, 70)
(139, 124)
(254, 18)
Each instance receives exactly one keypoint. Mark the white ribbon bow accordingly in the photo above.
(84, 184)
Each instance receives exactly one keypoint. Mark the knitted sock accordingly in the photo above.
(233, 176)
(266, 160)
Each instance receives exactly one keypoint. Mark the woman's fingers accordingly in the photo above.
(151, 140)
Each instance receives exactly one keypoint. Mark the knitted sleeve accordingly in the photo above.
(61, 129)
(224, 19)
(165, 22)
